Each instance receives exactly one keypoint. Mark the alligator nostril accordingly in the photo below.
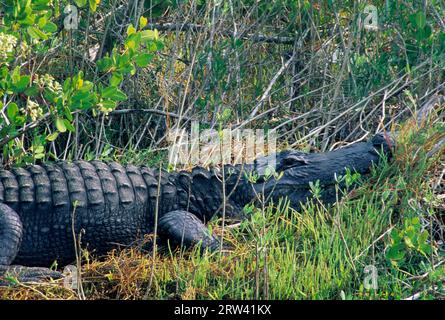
(383, 139)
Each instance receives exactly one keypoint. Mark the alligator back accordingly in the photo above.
(109, 203)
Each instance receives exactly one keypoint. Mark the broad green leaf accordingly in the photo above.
(119, 96)
(80, 95)
(50, 27)
(136, 38)
(67, 84)
(80, 3)
(131, 30)
(93, 5)
(60, 125)
(108, 104)
(114, 94)
(12, 111)
(142, 22)
(53, 136)
(130, 44)
(420, 19)
(39, 5)
(415, 221)
(108, 92)
(15, 76)
(42, 21)
(21, 84)
(123, 60)
(39, 149)
(395, 253)
(87, 86)
(425, 248)
(104, 64)
(143, 59)
(423, 237)
(68, 125)
(116, 79)
(149, 35)
(408, 242)
(67, 113)
(36, 33)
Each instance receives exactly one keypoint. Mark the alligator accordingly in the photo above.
(43, 207)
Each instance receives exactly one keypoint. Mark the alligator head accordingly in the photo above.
(299, 170)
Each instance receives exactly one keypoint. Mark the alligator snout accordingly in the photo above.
(384, 140)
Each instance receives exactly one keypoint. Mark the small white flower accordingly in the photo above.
(7, 45)
(48, 81)
(34, 110)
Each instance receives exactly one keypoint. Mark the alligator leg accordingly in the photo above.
(10, 237)
(185, 229)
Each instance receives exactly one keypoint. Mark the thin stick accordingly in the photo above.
(155, 232)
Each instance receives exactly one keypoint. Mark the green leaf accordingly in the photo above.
(395, 253)
(142, 60)
(415, 222)
(21, 84)
(423, 237)
(441, 38)
(60, 125)
(32, 91)
(427, 31)
(420, 19)
(68, 114)
(42, 21)
(50, 27)
(39, 149)
(114, 94)
(130, 44)
(80, 95)
(408, 242)
(108, 104)
(12, 111)
(87, 86)
(116, 79)
(104, 64)
(133, 41)
(131, 30)
(142, 22)
(120, 96)
(425, 249)
(39, 5)
(149, 35)
(53, 136)
(68, 125)
(108, 92)
(93, 5)
(36, 33)
(80, 3)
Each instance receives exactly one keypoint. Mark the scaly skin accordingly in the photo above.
(112, 204)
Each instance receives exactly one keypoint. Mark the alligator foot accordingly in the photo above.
(185, 229)
(10, 275)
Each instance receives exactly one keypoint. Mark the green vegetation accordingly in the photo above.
(117, 84)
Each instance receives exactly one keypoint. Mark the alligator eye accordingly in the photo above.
(293, 161)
